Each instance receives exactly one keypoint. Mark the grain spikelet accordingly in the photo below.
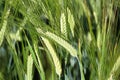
(54, 56)
(2, 31)
(63, 24)
(63, 43)
(60, 41)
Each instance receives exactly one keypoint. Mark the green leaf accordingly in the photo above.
(115, 68)
(38, 66)
(29, 67)
(71, 21)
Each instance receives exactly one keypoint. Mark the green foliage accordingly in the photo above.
(59, 39)
(71, 21)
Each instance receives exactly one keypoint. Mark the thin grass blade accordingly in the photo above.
(29, 67)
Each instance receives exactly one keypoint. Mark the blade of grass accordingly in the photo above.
(80, 60)
(114, 69)
(16, 59)
(38, 66)
(71, 21)
(29, 67)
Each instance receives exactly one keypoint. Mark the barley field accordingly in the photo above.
(59, 39)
